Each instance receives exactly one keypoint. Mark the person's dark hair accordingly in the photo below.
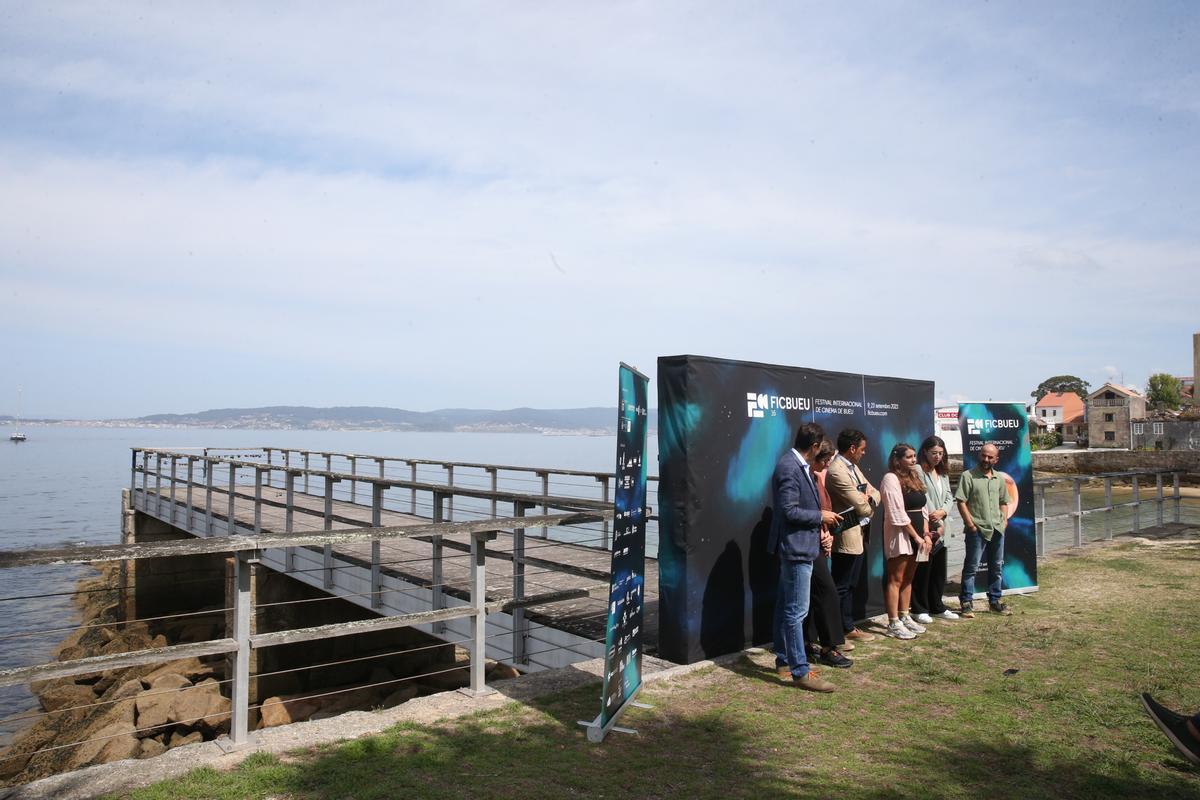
(849, 438)
(923, 459)
(810, 433)
(909, 479)
(826, 450)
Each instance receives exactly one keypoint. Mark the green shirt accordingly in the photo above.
(984, 497)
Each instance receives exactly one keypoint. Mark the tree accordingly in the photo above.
(1164, 391)
(1062, 384)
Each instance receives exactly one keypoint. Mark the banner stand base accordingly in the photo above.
(596, 732)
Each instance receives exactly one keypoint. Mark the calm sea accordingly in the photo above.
(63, 486)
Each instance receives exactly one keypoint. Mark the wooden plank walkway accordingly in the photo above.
(550, 565)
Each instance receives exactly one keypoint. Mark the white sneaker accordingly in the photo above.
(897, 631)
(923, 618)
(947, 614)
(909, 623)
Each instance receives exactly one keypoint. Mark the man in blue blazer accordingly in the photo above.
(795, 538)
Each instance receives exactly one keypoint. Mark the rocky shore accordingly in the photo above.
(140, 712)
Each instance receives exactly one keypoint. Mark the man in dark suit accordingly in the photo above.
(795, 538)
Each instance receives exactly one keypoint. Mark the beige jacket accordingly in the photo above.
(842, 480)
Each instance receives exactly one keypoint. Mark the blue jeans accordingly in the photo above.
(791, 607)
(993, 551)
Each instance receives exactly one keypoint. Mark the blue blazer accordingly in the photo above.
(796, 521)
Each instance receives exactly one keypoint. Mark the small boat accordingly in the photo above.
(17, 436)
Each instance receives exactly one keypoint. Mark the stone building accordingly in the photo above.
(1111, 410)
(1166, 433)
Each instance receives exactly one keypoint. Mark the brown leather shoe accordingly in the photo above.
(784, 673)
(846, 647)
(813, 683)
(860, 636)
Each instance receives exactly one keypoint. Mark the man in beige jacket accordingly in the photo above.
(849, 488)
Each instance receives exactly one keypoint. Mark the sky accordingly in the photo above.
(485, 205)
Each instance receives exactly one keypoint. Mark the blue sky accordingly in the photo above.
(468, 205)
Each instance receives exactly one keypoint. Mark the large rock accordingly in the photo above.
(286, 710)
(169, 680)
(501, 672)
(201, 706)
(402, 695)
(66, 696)
(447, 681)
(179, 739)
(190, 668)
(109, 736)
(151, 748)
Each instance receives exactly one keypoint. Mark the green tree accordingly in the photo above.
(1164, 391)
(1062, 384)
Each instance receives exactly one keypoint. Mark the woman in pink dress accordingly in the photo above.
(905, 535)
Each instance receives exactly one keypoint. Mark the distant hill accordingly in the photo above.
(515, 420)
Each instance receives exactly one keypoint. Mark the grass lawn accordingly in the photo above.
(934, 718)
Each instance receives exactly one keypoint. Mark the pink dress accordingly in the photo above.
(897, 542)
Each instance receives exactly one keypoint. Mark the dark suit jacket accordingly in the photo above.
(796, 520)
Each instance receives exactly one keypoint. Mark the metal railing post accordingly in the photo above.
(376, 570)
(1078, 513)
(604, 489)
(479, 620)
(1158, 496)
(258, 487)
(232, 526)
(306, 457)
(1137, 505)
(158, 485)
(545, 476)
(437, 599)
(174, 458)
(1039, 527)
(268, 449)
(239, 727)
(208, 498)
(520, 631)
(450, 495)
(495, 483)
(191, 463)
(413, 492)
(353, 477)
(133, 454)
(1178, 497)
(1108, 509)
(289, 516)
(327, 550)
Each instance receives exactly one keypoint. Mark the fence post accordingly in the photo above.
(1175, 482)
(1039, 494)
(412, 468)
(239, 726)
(436, 599)
(520, 631)
(1137, 505)
(191, 461)
(604, 489)
(353, 477)
(258, 487)
(268, 449)
(495, 487)
(208, 494)
(1108, 509)
(306, 456)
(327, 550)
(376, 519)
(158, 485)
(232, 491)
(289, 513)
(174, 459)
(1078, 514)
(545, 476)
(449, 495)
(133, 453)
(1158, 496)
(479, 620)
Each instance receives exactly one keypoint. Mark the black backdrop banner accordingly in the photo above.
(722, 426)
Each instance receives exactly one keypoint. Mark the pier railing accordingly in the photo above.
(246, 548)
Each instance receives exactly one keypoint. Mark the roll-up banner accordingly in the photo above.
(623, 637)
(1006, 425)
(722, 426)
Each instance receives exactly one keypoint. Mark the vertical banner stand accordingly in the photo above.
(623, 633)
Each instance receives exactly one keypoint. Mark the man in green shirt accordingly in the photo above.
(983, 504)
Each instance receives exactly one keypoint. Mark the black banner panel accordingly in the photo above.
(722, 426)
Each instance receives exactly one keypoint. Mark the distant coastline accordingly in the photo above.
(596, 421)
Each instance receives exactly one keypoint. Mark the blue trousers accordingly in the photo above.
(791, 607)
(993, 551)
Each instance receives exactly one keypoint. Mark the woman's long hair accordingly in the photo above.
(909, 479)
(923, 455)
